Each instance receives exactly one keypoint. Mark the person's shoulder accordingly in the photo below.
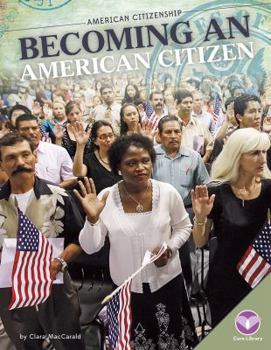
(207, 114)
(266, 183)
(46, 123)
(196, 121)
(158, 149)
(110, 189)
(98, 108)
(91, 157)
(164, 186)
(48, 187)
(117, 105)
(47, 145)
(214, 187)
(51, 147)
(189, 152)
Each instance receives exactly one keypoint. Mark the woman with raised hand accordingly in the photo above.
(59, 119)
(65, 136)
(237, 205)
(130, 122)
(94, 164)
(140, 214)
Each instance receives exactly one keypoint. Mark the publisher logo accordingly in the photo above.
(247, 322)
(44, 5)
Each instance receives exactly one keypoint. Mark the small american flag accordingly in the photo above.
(256, 262)
(120, 319)
(148, 109)
(119, 312)
(216, 108)
(31, 281)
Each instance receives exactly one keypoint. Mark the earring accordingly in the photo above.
(119, 172)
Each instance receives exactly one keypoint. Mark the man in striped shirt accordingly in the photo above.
(159, 108)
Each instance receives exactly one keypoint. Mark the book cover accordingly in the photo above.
(158, 45)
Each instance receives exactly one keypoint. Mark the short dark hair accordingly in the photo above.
(105, 86)
(121, 145)
(156, 93)
(11, 139)
(123, 125)
(241, 102)
(25, 117)
(18, 107)
(181, 94)
(168, 118)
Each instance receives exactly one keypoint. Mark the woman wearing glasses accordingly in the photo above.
(95, 164)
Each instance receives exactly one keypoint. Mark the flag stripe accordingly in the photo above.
(246, 258)
(126, 316)
(37, 277)
(43, 277)
(119, 318)
(261, 274)
(30, 280)
(251, 263)
(257, 268)
(122, 319)
(24, 283)
(16, 295)
(129, 316)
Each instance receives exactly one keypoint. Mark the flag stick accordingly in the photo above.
(152, 259)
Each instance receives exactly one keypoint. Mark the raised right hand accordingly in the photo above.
(58, 132)
(146, 130)
(46, 111)
(201, 202)
(88, 198)
(81, 136)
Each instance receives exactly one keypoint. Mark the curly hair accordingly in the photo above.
(121, 145)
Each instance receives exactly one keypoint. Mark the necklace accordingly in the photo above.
(139, 208)
(107, 163)
(243, 192)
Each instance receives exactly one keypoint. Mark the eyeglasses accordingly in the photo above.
(103, 137)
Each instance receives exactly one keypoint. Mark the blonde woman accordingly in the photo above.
(59, 118)
(237, 206)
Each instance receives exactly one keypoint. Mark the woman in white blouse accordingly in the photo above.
(139, 214)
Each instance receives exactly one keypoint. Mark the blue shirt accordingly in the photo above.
(184, 171)
(47, 127)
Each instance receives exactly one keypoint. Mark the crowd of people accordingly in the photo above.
(92, 159)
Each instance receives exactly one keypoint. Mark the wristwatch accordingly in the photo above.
(63, 263)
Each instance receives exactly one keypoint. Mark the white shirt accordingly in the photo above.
(131, 235)
(54, 163)
(196, 136)
(100, 113)
(22, 199)
(207, 119)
